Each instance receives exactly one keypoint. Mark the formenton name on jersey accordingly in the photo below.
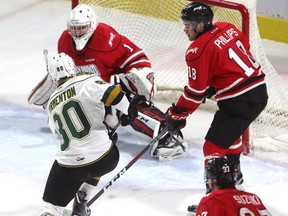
(62, 97)
(224, 38)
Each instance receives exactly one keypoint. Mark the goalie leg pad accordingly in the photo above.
(171, 147)
(150, 122)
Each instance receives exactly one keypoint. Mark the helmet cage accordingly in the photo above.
(82, 24)
(77, 30)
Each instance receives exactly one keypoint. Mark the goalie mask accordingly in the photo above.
(219, 171)
(61, 66)
(82, 24)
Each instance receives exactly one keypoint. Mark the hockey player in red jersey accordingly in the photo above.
(98, 48)
(225, 199)
(219, 62)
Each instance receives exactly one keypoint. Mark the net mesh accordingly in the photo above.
(154, 25)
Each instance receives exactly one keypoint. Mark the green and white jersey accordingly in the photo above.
(76, 111)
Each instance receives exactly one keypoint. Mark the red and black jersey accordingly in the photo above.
(227, 202)
(220, 58)
(106, 53)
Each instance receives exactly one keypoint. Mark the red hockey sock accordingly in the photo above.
(236, 148)
(210, 149)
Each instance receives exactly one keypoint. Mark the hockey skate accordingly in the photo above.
(169, 147)
(80, 207)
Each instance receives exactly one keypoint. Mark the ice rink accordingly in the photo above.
(149, 187)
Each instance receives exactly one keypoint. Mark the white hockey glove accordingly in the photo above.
(42, 91)
(140, 81)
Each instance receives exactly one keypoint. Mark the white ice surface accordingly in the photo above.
(149, 187)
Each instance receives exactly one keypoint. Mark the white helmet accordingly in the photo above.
(82, 24)
(61, 66)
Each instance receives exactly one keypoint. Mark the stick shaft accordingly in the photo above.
(122, 171)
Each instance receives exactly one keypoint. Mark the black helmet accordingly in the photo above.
(197, 11)
(220, 171)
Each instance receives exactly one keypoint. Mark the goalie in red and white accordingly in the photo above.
(98, 48)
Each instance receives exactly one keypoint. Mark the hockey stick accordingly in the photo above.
(177, 141)
(45, 53)
(41, 92)
(122, 171)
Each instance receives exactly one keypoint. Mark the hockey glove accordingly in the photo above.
(210, 93)
(132, 112)
(176, 118)
(140, 81)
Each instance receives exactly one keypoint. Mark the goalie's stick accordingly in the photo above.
(122, 171)
(41, 92)
(177, 141)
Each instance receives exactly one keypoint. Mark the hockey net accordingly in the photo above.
(155, 27)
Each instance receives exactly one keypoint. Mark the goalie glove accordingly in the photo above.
(139, 81)
(176, 118)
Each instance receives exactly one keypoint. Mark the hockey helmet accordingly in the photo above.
(61, 66)
(220, 171)
(197, 11)
(82, 24)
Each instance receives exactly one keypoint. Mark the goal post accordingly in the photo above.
(155, 26)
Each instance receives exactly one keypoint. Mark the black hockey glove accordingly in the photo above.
(132, 112)
(176, 118)
(210, 93)
(113, 136)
